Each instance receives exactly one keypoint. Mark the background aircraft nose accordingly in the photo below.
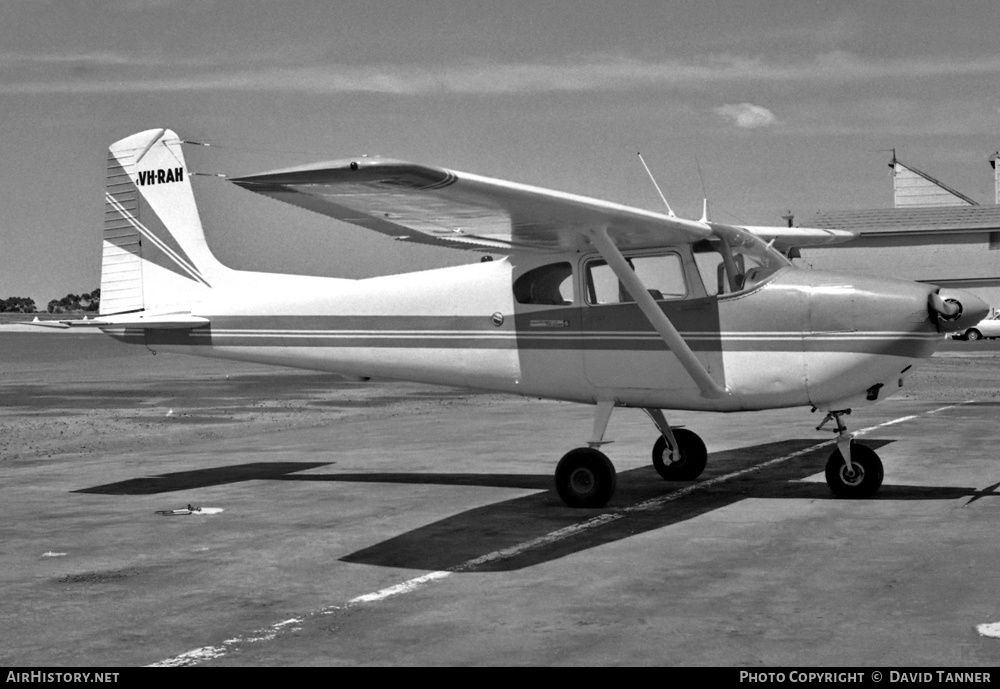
(953, 309)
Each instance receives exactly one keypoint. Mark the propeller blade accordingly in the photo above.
(948, 309)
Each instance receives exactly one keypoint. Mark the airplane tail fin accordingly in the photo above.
(155, 254)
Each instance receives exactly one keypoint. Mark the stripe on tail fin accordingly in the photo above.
(155, 255)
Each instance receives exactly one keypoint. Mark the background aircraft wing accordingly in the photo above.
(431, 205)
(786, 238)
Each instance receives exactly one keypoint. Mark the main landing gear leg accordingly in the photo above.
(678, 455)
(853, 470)
(585, 477)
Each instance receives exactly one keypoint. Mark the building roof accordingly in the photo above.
(944, 219)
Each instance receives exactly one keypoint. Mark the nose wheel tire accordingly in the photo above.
(864, 477)
(685, 465)
(585, 477)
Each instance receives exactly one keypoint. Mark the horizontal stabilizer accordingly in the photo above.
(49, 324)
(166, 321)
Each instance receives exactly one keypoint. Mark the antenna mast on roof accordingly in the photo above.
(670, 211)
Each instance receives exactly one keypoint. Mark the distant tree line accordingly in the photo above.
(71, 302)
(17, 305)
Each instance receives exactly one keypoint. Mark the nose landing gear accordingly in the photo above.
(853, 470)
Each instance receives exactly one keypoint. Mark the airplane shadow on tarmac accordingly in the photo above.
(202, 478)
(450, 543)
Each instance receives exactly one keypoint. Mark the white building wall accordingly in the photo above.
(912, 190)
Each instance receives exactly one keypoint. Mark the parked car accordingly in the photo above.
(988, 328)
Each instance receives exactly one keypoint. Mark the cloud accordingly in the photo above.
(582, 73)
(747, 115)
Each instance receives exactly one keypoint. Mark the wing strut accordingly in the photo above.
(659, 321)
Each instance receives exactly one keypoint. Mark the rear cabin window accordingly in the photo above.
(550, 285)
(662, 275)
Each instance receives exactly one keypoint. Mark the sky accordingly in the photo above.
(764, 106)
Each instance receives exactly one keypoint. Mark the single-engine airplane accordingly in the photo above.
(593, 302)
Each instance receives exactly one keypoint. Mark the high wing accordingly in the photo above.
(432, 205)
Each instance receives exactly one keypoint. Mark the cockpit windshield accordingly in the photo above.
(733, 260)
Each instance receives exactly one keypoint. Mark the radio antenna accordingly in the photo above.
(704, 192)
(670, 211)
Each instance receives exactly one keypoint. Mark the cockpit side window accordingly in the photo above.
(551, 285)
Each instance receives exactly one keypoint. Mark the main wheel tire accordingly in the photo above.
(973, 335)
(863, 481)
(692, 460)
(585, 477)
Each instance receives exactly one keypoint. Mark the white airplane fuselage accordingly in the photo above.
(799, 338)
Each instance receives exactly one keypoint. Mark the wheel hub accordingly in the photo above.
(582, 481)
(671, 458)
(852, 477)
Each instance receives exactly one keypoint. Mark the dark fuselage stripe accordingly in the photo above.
(900, 344)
